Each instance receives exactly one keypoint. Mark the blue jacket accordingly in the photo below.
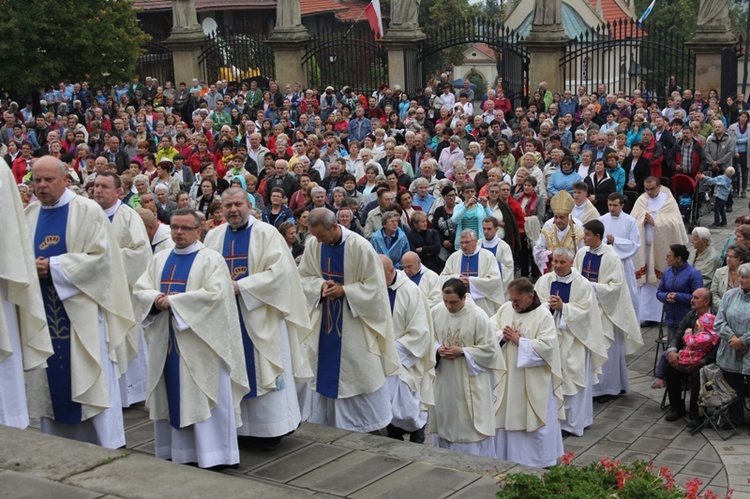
(561, 181)
(723, 186)
(285, 215)
(682, 280)
(397, 249)
(618, 175)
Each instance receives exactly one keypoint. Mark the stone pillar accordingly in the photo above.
(546, 44)
(288, 42)
(288, 51)
(185, 41)
(712, 35)
(403, 50)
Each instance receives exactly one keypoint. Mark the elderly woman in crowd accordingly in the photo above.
(741, 220)
(347, 218)
(727, 277)
(390, 240)
(424, 241)
(676, 287)
(288, 231)
(733, 326)
(703, 256)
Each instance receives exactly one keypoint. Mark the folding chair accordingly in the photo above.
(714, 388)
(661, 342)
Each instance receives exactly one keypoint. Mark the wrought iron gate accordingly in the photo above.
(512, 58)
(156, 63)
(346, 55)
(625, 55)
(236, 56)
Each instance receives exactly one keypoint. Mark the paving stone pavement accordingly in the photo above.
(328, 462)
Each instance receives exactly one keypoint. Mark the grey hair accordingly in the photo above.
(455, 138)
(336, 189)
(317, 190)
(469, 232)
(703, 233)
(421, 181)
(140, 178)
(744, 270)
(390, 214)
(366, 150)
(559, 251)
(321, 216)
(161, 187)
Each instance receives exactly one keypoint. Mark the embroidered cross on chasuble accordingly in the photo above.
(591, 264)
(332, 323)
(174, 277)
(235, 253)
(470, 265)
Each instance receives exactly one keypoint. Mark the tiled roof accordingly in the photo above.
(612, 9)
(208, 5)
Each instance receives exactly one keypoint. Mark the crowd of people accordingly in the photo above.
(243, 260)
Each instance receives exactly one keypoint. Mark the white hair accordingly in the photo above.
(703, 233)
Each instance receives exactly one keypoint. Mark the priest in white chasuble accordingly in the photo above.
(25, 343)
(477, 268)
(621, 232)
(470, 366)
(420, 275)
(600, 264)
(411, 388)
(530, 397)
(88, 309)
(196, 366)
(570, 298)
(503, 254)
(583, 209)
(132, 239)
(270, 303)
(159, 235)
(660, 224)
(351, 347)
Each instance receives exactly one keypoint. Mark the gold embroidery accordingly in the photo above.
(49, 241)
(453, 339)
(56, 320)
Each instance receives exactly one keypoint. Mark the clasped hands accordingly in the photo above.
(450, 352)
(162, 302)
(331, 289)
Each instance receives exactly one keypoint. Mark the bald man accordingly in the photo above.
(78, 396)
(159, 234)
(411, 387)
(420, 275)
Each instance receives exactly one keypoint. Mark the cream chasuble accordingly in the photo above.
(485, 282)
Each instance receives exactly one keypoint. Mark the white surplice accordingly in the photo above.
(627, 241)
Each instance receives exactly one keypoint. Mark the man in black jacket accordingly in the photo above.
(283, 179)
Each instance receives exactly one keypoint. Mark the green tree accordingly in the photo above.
(45, 42)
(681, 16)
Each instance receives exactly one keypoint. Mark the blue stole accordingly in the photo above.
(235, 253)
(174, 278)
(49, 241)
(417, 278)
(493, 250)
(470, 265)
(332, 322)
(561, 289)
(392, 298)
(591, 264)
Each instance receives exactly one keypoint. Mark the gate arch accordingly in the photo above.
(512, 58)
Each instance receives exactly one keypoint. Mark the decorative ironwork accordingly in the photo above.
(346, 55)
(512, 57)
(236, 56)
(623, 55)
(157, 62)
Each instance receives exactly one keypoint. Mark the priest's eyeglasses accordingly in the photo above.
(183, 228)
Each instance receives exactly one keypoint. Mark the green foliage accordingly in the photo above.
(606, 478)
(681, 16)
(47, 42)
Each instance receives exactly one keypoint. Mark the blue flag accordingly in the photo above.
(646, 13)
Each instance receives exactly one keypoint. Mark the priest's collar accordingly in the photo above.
(479, 247)
(422, 268)
(66, 198)
(345, 233)
(491, 243)
(598, 250)
(567, 278)
(196, 246)
(110, 212)
(536, 303)
(241, 227)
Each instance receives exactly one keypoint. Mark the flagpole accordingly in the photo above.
(354, 23)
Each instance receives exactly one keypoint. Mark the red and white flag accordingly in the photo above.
(375, 18)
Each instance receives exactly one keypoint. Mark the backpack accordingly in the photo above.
(715, 392)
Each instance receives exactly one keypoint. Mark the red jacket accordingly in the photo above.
(19, 169)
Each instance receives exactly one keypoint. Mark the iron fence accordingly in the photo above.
(625, 55)
(236, 56)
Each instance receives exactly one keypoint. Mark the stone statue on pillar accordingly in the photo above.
(547, 13)
(713, 14)
(405, 14)
(184, 16)
(713, 22)
(288, 15)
